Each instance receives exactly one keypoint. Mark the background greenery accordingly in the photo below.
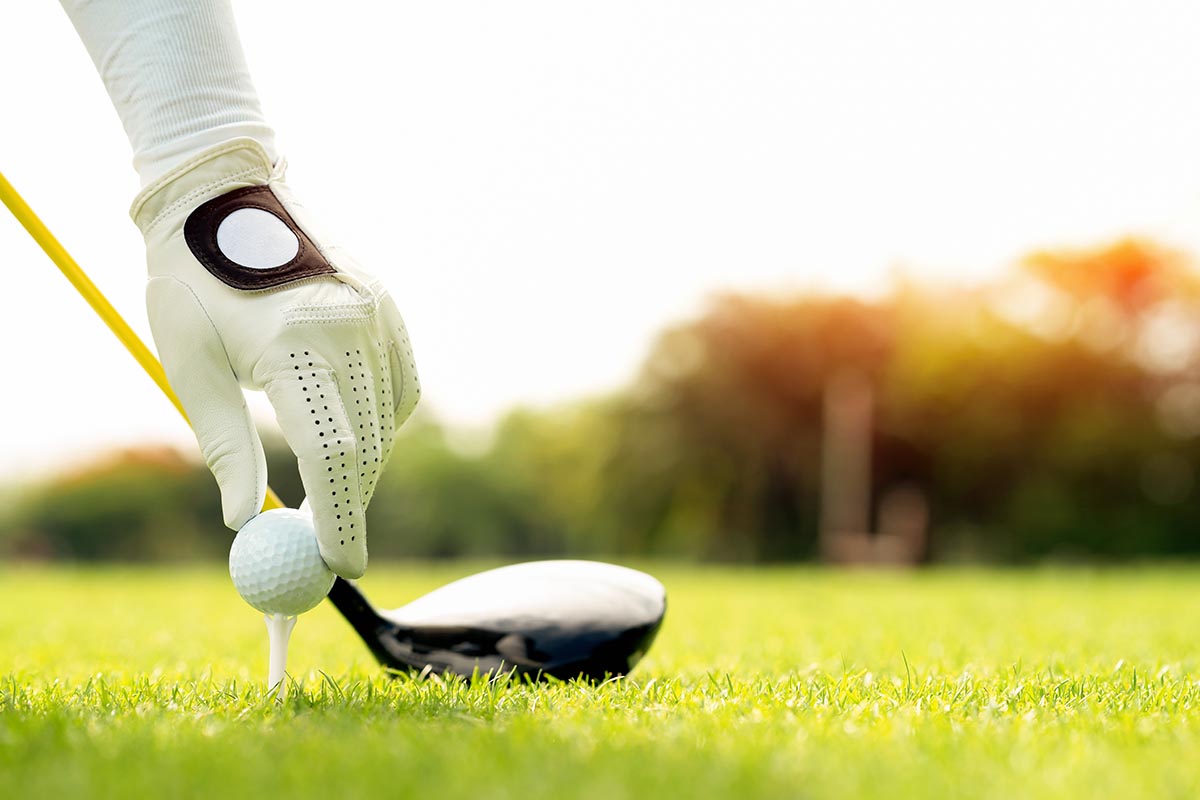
(1055, 413)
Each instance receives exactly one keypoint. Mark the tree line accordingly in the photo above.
(1052, 413)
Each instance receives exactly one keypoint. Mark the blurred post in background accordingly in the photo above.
(845, 535)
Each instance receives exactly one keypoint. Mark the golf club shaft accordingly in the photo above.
(99, 303)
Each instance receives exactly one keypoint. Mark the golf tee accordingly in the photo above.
(279, 631)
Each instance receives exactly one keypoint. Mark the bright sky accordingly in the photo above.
(545, 185)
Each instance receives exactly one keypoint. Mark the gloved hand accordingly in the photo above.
(244, 292)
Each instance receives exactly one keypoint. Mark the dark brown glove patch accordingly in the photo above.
(200, 233)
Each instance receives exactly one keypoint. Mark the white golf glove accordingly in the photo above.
(244, 292)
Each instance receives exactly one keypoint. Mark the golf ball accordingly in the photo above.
(276, 565)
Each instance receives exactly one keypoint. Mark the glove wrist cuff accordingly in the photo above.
(231, 165)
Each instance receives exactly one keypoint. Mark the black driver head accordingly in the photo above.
(562, 619)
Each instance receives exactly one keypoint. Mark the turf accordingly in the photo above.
(777, 683)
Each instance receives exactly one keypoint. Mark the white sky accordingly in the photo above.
(544, 185)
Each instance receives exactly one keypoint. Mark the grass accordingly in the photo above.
(776, 683)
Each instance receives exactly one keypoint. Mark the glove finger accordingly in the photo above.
(313, 402)
(200, 373)
(365, 383)
(405, 387)
(385, 416)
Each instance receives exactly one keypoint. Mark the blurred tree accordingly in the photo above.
(138, 505)
(717, 449)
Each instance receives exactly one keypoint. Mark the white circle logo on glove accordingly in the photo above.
(256, 239)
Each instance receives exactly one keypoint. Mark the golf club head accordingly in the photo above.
(562, 619)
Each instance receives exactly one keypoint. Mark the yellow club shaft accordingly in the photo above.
(96, 299)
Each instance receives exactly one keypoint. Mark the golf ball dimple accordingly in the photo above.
(276, 564)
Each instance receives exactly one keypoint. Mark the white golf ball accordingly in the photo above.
(276, 565)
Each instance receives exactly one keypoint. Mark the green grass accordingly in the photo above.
(777, 683)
